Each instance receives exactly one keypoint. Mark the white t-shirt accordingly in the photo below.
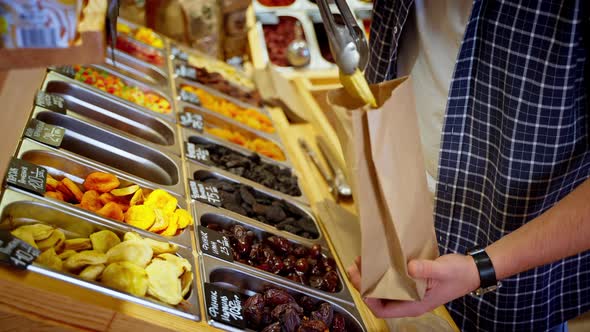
(428, 51)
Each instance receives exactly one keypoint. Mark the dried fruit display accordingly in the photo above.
(216, 81)
(104, 81)
(253, 168)
(276, 254)
(251, 203)
(143, 34)
(276, 3)
(142, 267)
(276, 310)
(148, 55)
(278, 37)
(248, 116)
(229, 72)
(260, 145)
(155, 211)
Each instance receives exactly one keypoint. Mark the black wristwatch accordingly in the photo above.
(487, 274)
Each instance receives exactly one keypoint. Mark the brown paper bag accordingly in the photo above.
(386, 167)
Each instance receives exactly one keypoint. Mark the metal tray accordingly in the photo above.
(195, 168)
(18, 209)
(170, 117)
(117, 151)
(205, 218)
(303, 208)
(91, 107)
(135, 68)
(60, 165)
(225, 275)
(211, 119)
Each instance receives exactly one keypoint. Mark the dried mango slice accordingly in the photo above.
(161, 199)
(186, 282)
(50, 259)
(126, 277)
(125, 191)
(135, 251)
(181, 264)
(51, 183)
(67, 254)
(101, 182)
(184, 218)
(90, 201)
(25, 236)
(131, 236)
(140, 216)
(55, 194)
(92, 272)
(112, 210)
(78, 244)
(38, 231)
(163, 283)
(55, 240)
(172, 226)
(74, 189)
(137, 198)
(104, 240)
(161, 222)
(84, 258)
(159, 247)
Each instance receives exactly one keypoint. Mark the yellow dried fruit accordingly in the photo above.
(38, 231)
(125, 191)
(137, 198)
(104, 240)
(172, 226)
(161, 199)
(184, 218)
(55, 240)
(161, 222)
(131, 236)
(55, 195)
(78, 244)
(50, 259)
(51, 183)
(101, 182)
(186, 281)
(163, 283)
(84, 258)
(126, 277)
(67, 254)
(133, 251)
(25, 236)
(181, 264)
(92, 272)
(140, 216)
(356, 85)
(160, 247)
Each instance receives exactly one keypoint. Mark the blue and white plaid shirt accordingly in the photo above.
(516, 140)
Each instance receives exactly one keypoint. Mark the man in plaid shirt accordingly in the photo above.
(511, 158)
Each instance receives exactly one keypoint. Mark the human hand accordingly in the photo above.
(448, 277)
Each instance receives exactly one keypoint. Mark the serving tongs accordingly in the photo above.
(347, 40)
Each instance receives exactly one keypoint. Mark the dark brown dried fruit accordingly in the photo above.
(253, 309)
(274, 327)
(301, 265)
(316, 251)
(290, 320)
(275, 214)
(279, 310)
(247, 195)
(274, 297)
(330, 282)
(338, 323)
(312, 326)
(325, 313)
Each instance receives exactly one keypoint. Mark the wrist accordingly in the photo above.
(487, 275)
(473, 281)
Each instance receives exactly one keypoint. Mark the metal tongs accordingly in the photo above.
(347, 40)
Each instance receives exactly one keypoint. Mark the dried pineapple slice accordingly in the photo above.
(126, 277)
(135, 251)
(163, 283)
(104, 240)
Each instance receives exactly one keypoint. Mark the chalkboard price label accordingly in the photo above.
(215, 244)
(27, 176)
(179, 54)
(189, 97)
(68, 71)
(45, 133)
(16, 252)
(224, 306)
(192, 120)
(187, 72)
(51, 101)
(205, 193)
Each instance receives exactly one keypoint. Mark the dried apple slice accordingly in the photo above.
(104, 240)
(126, 277)
(134, 251)
(181, 264)
(125, 191)
(50, 259)
(161, 247)
(92, 272)
(78, 244)
(84, 258)
(163, 283)
(55, 240)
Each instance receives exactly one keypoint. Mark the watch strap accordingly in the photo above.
(487, 274)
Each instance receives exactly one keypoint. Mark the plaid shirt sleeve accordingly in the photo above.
(515, 141)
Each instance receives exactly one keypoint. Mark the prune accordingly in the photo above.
(312, 326)
(274, 297)
(247, 195)
(301, 265)
(275, 214)
(274, 327)
(279, 310)
(253, 309)
(325, 313)
(316, 251)
(338, 323)
(290, 320)
(259, 208)
(235, 208)
(307, 304)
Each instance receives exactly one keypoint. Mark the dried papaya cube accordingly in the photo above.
(101, 182)
(90, 201)
(140, 216)
(111, 210)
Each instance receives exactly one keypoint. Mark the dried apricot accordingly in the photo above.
(101, 182)
(66, 192)
(90, 201)
(74, 189)
(55, 194)
(50, 183)
(111, 210)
